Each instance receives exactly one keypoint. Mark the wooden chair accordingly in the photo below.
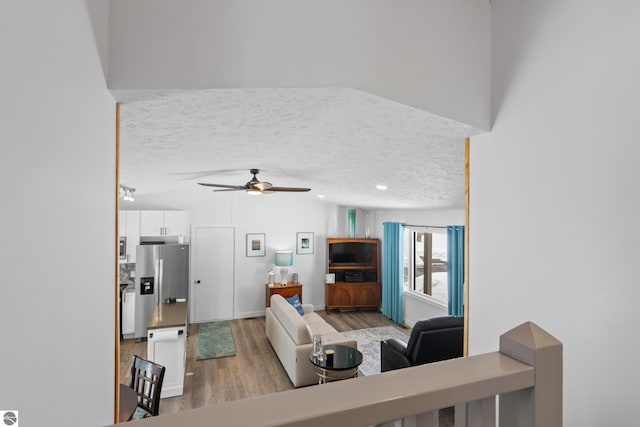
(146, 380)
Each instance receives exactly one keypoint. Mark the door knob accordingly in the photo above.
(198, 282)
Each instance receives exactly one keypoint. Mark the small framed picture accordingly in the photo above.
(256, 244)
(305, 243)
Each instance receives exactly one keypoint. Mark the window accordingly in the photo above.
(425, 262)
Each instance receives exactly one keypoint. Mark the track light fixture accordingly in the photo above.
(127, 193)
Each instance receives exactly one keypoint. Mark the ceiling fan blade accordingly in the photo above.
(234, 187)
(290, 189)
(203, 174)
(255, 186)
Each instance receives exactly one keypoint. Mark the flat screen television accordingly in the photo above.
(351, 253)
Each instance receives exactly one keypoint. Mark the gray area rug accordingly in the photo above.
(215, 340)
(369, 345)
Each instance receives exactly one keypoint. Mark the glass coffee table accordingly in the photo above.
(339, 362)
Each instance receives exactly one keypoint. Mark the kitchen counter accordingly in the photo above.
(168, 316)
(166, 345)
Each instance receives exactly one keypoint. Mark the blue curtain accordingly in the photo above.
(455, 270)
(393, 271)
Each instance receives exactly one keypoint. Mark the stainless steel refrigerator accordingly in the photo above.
(162, 272)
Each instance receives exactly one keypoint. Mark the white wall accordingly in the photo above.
(431, 54)
(280, 216)
(418, 307)
(58, 258)
(338, 222)
(555, 218)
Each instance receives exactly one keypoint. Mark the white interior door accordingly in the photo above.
(213, 273)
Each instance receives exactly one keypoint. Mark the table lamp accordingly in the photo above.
(284, 259)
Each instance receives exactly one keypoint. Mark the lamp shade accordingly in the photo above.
(284, 258)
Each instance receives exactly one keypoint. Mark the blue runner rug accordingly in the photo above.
(215, 340)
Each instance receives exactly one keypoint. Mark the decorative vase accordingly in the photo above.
(351, 214)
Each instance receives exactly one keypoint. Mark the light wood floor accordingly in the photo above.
(254, 371)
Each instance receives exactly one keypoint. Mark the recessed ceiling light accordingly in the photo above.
(381, 187)
(320, 196)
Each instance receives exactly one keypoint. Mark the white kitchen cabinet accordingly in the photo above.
(129, 227)
(122, 223)
(151, 223)
(175, 223)
(162, 223)
(166, 345)
(122, 237)
(133, 234)
(128, 313)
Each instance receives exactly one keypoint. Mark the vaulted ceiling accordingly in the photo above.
(340, 142)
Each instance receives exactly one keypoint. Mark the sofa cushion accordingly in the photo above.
(317, 324)
(290, 336)
(292, 322)
(337, 338)
(295, 303)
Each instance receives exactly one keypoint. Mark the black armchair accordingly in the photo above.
(431, 340)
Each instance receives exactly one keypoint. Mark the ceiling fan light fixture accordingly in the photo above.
(254, 186)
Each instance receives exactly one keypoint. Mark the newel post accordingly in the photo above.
(540, 406)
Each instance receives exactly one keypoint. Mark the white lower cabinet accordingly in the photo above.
(128, 313)
(166, 346)
(129, 227)
(122, 223)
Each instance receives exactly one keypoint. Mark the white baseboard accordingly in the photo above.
(249, 314)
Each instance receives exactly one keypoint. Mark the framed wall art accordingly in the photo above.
(256, 244)
(305, 243)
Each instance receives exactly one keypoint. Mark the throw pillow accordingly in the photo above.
(295, 302)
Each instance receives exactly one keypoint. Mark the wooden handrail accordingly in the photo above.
(389, 396)
(369, 400)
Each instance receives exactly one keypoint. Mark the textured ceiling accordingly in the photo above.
(339, 142)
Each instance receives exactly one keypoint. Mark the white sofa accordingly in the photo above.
(289, 335)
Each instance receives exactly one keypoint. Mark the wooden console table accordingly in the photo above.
(286, 291)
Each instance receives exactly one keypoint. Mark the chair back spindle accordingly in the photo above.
(146, 380)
